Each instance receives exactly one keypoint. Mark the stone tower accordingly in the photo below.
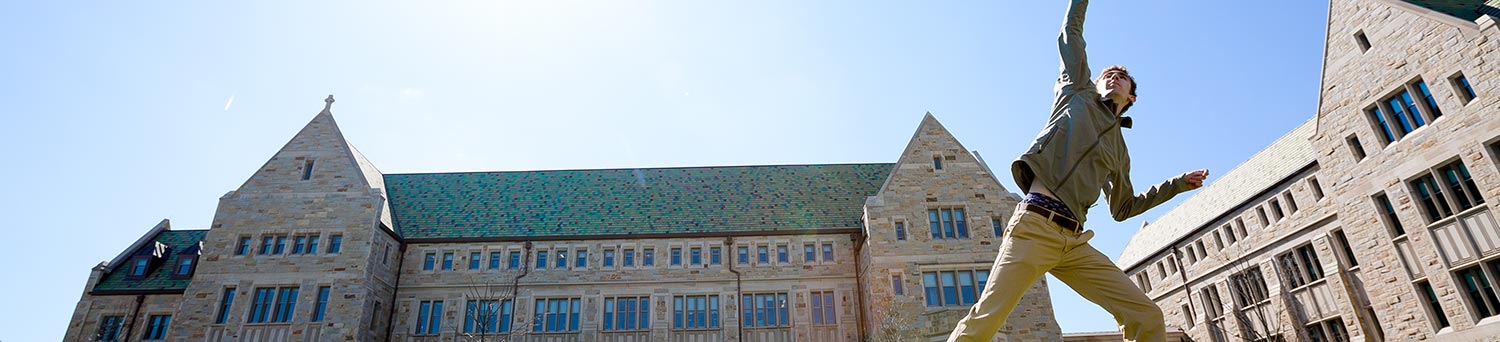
(935, 221)
(308, 234)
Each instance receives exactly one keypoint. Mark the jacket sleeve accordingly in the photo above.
(1124, 203)
(1075, 66)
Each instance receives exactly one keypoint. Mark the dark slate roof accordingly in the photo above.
(619, 202)
(159, 279)
(1466, 9)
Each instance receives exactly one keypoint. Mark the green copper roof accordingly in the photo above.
(632, 201)
(1466, 9)
(159, 278)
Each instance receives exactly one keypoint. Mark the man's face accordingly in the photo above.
(1114, 83)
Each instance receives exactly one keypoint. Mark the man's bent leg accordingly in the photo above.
(1097, 279)
(1031, 246)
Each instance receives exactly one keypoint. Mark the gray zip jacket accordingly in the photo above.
(1081, 151)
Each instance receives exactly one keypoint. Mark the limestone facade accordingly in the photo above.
(1298, 244)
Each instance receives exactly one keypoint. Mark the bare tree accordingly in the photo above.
(900, 323)
(485, 316)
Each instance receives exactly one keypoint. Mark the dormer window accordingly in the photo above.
(187, 261)
(138, 268)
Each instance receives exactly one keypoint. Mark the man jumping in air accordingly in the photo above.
(1078, 154)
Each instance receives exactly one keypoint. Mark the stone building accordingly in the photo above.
(319, 245)
(1372, 220)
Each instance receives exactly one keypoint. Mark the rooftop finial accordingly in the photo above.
(329, 102)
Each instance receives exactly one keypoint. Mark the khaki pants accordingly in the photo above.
(1034, 245)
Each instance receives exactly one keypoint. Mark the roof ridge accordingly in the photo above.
(638, 168)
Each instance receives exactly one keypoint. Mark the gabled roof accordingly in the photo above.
(1466, 9)
(1282, 158)
(160, 279)
(623, 202)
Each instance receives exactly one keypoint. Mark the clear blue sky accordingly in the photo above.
(119, 114)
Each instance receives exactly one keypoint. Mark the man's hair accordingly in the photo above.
(1133, 84)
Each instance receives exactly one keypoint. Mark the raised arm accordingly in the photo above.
(1075, 63)
(1124, 203)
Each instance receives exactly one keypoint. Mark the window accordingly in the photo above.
(1301, 266)
(1261, 212)
(1239, 226)
(299, 244)
(900, 230)
(1331, 330)
(995, 222)
(280, 245)
(676, 256)
(1400, 114)
(824, 312)
(1343, 246)
(1392, 221)
(138, 268)
(783, 255)
(156, 327)
(473, 260)
(109, 328)
(765, 310)
(1202, 253)
(334, 243)
(448, 260)
(226, 300)
(244, 246)
(185, 265)
(581, 258)
(322, 305)
(1276, 214)
(1249, 287)
(265, 245)
(312, 247)
(1213, 306)
(562, 259)
(1462, 88)
(429, 317)
(609, 258)
(947, 223)
(494, 260)
(515, 260)
(1434, 306)
(1232, 237)
(1476, 288)
(763, 255)
(1143, 280)
(487, 316)
(696, 312)
(1355, 148)
(1188, 311)
(715, 255)
(1316, 187)
(541, 260)
(1460, 186)
(375, 312)
(286, 305)
(937, 163)
(695, 256)
(951, 288)
(627, 257)
(827, 252)
(277, 304)
(428, 261)
(648, 257)
(556, 315)
(1291, 202)
(627, 313)
(1219, 238)
(896, 285)
(307, 168)
(744, 255)
(809, 253)
(1362, 40)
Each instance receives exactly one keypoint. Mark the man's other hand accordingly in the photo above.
(1195, 178)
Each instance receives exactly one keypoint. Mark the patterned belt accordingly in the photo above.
(1053, 209)
(1067, 224)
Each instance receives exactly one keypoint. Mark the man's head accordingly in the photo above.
(1117, 84)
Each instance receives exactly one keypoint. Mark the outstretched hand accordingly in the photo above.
(1195, 178)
